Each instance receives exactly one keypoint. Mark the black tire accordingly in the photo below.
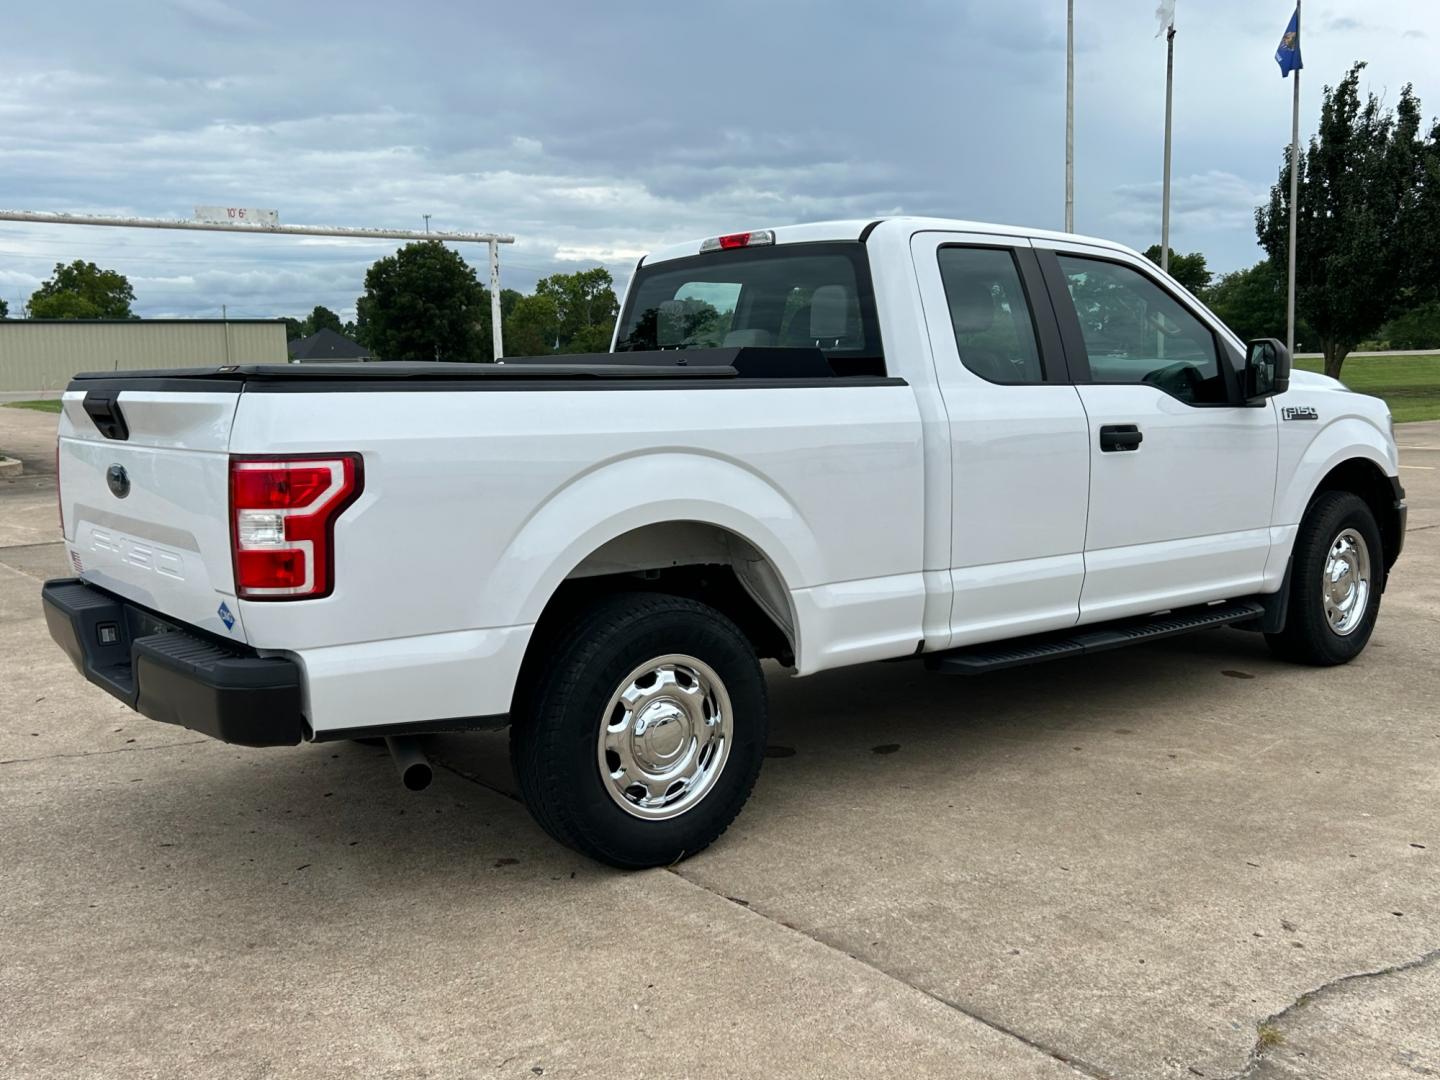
(553, 737)
(1308, 637)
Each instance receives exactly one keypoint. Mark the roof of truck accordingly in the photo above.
(817, 231)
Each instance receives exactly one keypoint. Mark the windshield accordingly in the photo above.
(791, 296)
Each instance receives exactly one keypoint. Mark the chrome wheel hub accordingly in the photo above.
(665, 737)
(1346, 585)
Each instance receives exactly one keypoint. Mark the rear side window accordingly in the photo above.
(789, 296)
(990, 314)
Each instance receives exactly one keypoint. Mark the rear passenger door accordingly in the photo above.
(1182, 471)
(1018, 438)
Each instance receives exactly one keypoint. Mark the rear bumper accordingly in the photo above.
(173, 675)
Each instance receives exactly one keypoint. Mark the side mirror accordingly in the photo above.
(1267, 369)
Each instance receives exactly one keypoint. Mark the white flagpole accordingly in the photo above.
(1070, 116)
(1294, 199)
(1169, 107)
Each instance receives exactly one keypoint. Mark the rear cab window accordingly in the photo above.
(788, 296)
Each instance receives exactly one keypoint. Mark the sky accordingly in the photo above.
(594, 132)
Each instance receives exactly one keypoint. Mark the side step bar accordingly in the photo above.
(995, 656)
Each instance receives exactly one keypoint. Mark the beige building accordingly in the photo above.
(42, 354)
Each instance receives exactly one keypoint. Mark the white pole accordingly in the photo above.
(42, 218)
(497, 336)
(1294, 202)
(1169, 108)
(1070, 116)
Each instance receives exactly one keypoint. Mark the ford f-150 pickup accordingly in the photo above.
(968, 445)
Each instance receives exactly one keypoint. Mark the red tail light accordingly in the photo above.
(282, 522)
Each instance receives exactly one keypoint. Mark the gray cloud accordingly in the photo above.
(596, 132)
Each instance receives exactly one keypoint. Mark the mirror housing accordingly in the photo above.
(1267, 369)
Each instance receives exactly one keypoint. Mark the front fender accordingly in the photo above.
(622, 494)
(1346, 438)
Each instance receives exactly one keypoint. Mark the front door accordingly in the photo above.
(1182, 473)
(1018, 437)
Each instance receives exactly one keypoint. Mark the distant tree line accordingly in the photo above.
(426, 303)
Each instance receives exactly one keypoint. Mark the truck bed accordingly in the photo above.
(721, 365)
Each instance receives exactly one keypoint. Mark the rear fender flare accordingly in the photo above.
(623, 494)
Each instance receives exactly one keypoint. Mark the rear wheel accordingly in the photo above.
(643, 732)
(1335, 580)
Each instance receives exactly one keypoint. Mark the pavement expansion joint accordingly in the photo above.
(103, 753)
(1275, 1019)
(1078, 1065)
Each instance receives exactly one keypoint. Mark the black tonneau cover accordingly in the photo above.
(710, 364)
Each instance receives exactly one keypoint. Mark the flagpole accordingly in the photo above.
(1169, 107)
(1070, 116)
(1294, 200)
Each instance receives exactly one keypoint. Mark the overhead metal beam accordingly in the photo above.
(43, 218)
(491, 240)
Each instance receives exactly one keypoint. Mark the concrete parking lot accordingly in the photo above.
(1180, 860)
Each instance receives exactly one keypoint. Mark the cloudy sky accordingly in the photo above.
(596, 131)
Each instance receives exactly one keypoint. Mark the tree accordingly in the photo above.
(1252, 302)
(1361, 198)
(322, 318)
(532, 326)
(423, 303)
(1418, 328)
(585, 309)
(1189, 270)
(294, 329)
(83, 291)
(4, 310)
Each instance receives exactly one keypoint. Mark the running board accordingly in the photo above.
(996, 655)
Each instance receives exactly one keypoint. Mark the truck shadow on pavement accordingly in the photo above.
(860, 737)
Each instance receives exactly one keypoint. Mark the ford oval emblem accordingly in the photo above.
(118, 480)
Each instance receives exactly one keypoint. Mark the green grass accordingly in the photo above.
(1410, 385)
(38, 406)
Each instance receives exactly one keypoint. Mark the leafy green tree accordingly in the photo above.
(1418, 328)
(585, 309)
(532, 326)
(83, 291)
(1251, 302)
(4, 310)
(423, 303)
(1189, 270)
(1361, 198)
(322, 318)
(294, 329)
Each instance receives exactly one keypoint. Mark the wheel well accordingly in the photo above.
(1365, 479)
(703, 562)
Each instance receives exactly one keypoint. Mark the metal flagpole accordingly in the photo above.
(1169, 107)
(1070, 116)
(1294, 201)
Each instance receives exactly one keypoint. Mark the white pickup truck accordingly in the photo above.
(826, 444)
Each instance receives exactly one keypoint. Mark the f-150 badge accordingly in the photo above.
(1299, 412)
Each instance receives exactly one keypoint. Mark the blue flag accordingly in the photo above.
(1288, 55)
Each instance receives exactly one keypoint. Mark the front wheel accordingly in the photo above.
(643, 733)
(1336, 571)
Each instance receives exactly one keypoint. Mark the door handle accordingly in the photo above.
(1120, 437)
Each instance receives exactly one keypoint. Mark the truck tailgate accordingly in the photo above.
(144, 498)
